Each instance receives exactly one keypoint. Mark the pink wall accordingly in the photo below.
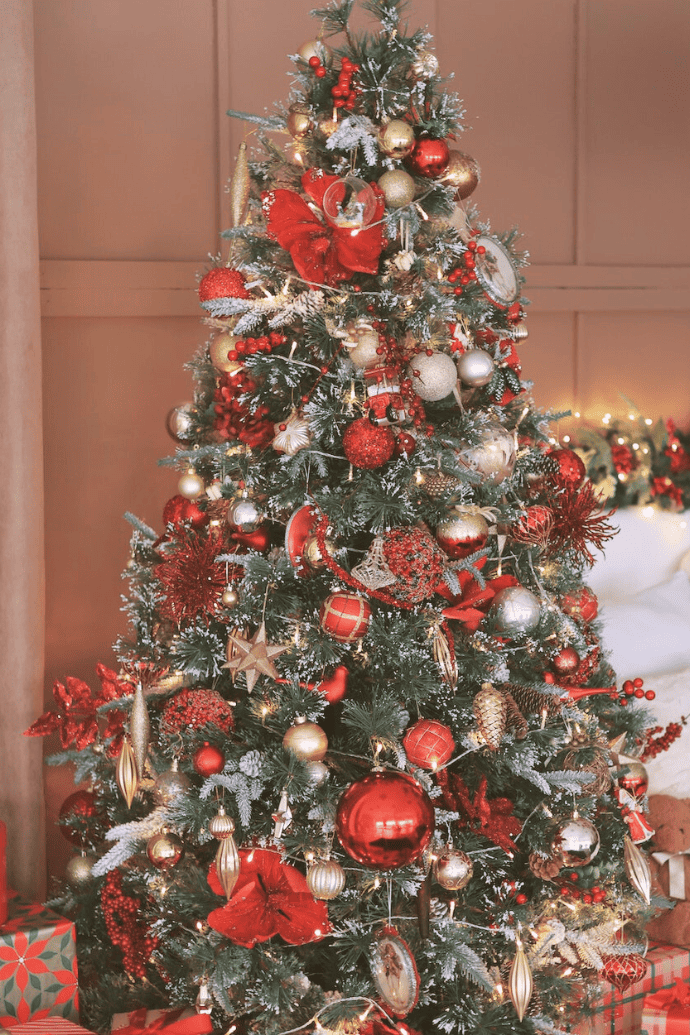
(579, 113)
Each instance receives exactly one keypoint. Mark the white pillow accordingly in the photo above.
(669, 772)
(647, 550)
(651, 632)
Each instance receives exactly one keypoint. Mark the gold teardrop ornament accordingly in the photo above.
(126, 773)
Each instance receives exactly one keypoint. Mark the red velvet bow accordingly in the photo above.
(169, 1022)
(470, 607)
(269, 898)
(323, 254)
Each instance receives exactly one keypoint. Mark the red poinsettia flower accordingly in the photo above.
(76, 717)
(323, 254)
(269, 898)
(665, 487)
(623, 458)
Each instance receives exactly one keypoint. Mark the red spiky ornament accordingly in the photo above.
(578, 522)
(192, 580)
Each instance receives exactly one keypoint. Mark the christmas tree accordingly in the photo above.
(355, 770)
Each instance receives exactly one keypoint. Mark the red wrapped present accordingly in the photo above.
(667, 1012)
(620, 1013)
(164, 1022)
(49, 1026)
(38, 965)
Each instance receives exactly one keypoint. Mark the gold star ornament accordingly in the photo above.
(253, 657)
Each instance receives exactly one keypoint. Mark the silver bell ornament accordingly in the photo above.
(516, 611)
(576, 841)
(475, 368)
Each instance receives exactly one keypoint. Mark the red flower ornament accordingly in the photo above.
(269, 898)
(323, 254)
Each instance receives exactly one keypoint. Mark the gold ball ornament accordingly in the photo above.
(463, 173)
(299, 121)
(476, 368)
(244, 514)
(164, 850)
(433, 377)
(453, 869)
(311, 552)
(170, 786)
(425, 65)
(398, 188)
(326, 879)
(396, 138)
(178, 422)
(78, 870)
(306, 740)
(190, 485)
(218, 353)
(316, 48)
(324, 127)
(576, 841)
(230, 597)
(364, 355)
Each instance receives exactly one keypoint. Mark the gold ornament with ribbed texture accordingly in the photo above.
(326, 879)
(490, 710)
(140, 730)
(520, 982)
(228, 863)
(239, 186)
(126, 772)
(637, 869)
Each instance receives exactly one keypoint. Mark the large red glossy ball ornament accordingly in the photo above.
(581, 604)
(565, 468)
(179, 509)
(429, 744)
(367, 445)
(428, 158)
(222, 282)
(566, 661)
(208, 760)
(345, 616)
(82, 808)
(385, 820)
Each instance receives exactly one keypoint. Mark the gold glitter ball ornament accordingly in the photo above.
(164, 850)
(463, 173)
(299, 121)
(306, 740)
(396, 138)
(316, 48)
(326, 879)
(218, 353)
(398, 188)
(425, 65)
(170, 786)
(453, 869)
(78, 870)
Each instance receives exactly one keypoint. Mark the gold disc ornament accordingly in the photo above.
(295, 153)
(396, 138)
(463, 173)
(326, 879)
(306, 740)
(398, 188)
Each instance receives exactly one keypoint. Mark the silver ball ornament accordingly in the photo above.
(170, 786)
(576, 842)
(494, 456)
(516, 611)
(179, 420)
(433, 377)
(317, 772)
(190, 485)
(243, 513)
(453, 869)
(398, 188)
(326, 879)
(476, 368)
(78, 870)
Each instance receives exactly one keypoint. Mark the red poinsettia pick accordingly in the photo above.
(76, 717)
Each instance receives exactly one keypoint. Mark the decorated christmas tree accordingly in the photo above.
(358, 768)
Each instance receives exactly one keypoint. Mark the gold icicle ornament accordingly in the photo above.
(239, 187)
(222, 827)
(126, 772)
(520, 982)
(491, 711)
(140, 730)
(637, 869)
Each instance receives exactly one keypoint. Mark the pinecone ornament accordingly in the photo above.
(437, 484)
(491, 711)
(545, 869)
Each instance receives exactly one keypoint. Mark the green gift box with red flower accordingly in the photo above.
(38, 965)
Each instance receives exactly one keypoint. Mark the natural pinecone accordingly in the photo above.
(529, 700)
(545, 869)
(598, 766)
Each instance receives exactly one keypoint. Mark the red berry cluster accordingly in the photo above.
(196, 708)
(250, 346)
(655, 744)
(594, 894)
(343, 93)
(120, 915)
(462, 275)
(234, 419)
(390, 354)
(633, 688)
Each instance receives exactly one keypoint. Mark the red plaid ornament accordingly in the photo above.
(345, 616)
(428, 744)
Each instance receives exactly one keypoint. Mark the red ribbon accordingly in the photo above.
(170, 1022)
(470, 607)
(671, 1007)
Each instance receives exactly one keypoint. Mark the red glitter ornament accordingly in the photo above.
(533, 527)
(222, 282)
(194, 708)
(428, 158)
(191, 579)
(208, 760)
(417, 562)
(80, 810)
(581, 604)
(367, 445)
(565, 468)
(385, 820)
(179, 509)
(428, 744)
(345, 616)
(566, 661)
(624, 971)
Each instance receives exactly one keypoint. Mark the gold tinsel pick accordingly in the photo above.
(126, 773)
(140, 730)
(443, 658)
(637, 869)
(239, 187)
(490, 711)
(520, 982)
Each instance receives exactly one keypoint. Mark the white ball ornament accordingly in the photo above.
(476, 368)
(190, 485)
(365, 355)
(433, 376)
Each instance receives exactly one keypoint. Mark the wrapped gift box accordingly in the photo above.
(620, 1013)
(38, 965)
(166, 1022)
(49, 1026)
(667, 1012)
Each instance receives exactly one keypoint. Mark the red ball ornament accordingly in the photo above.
(80, 806)
(428, 158)
(462, 532)
(581, 604)
(566, 661)
(417, 562)
(565, 468)
(208, 760)
(222, 282)
(345, 616)
(404, 444)
(367, 445)
(385, 820)
(428, 744)
(179, 509)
